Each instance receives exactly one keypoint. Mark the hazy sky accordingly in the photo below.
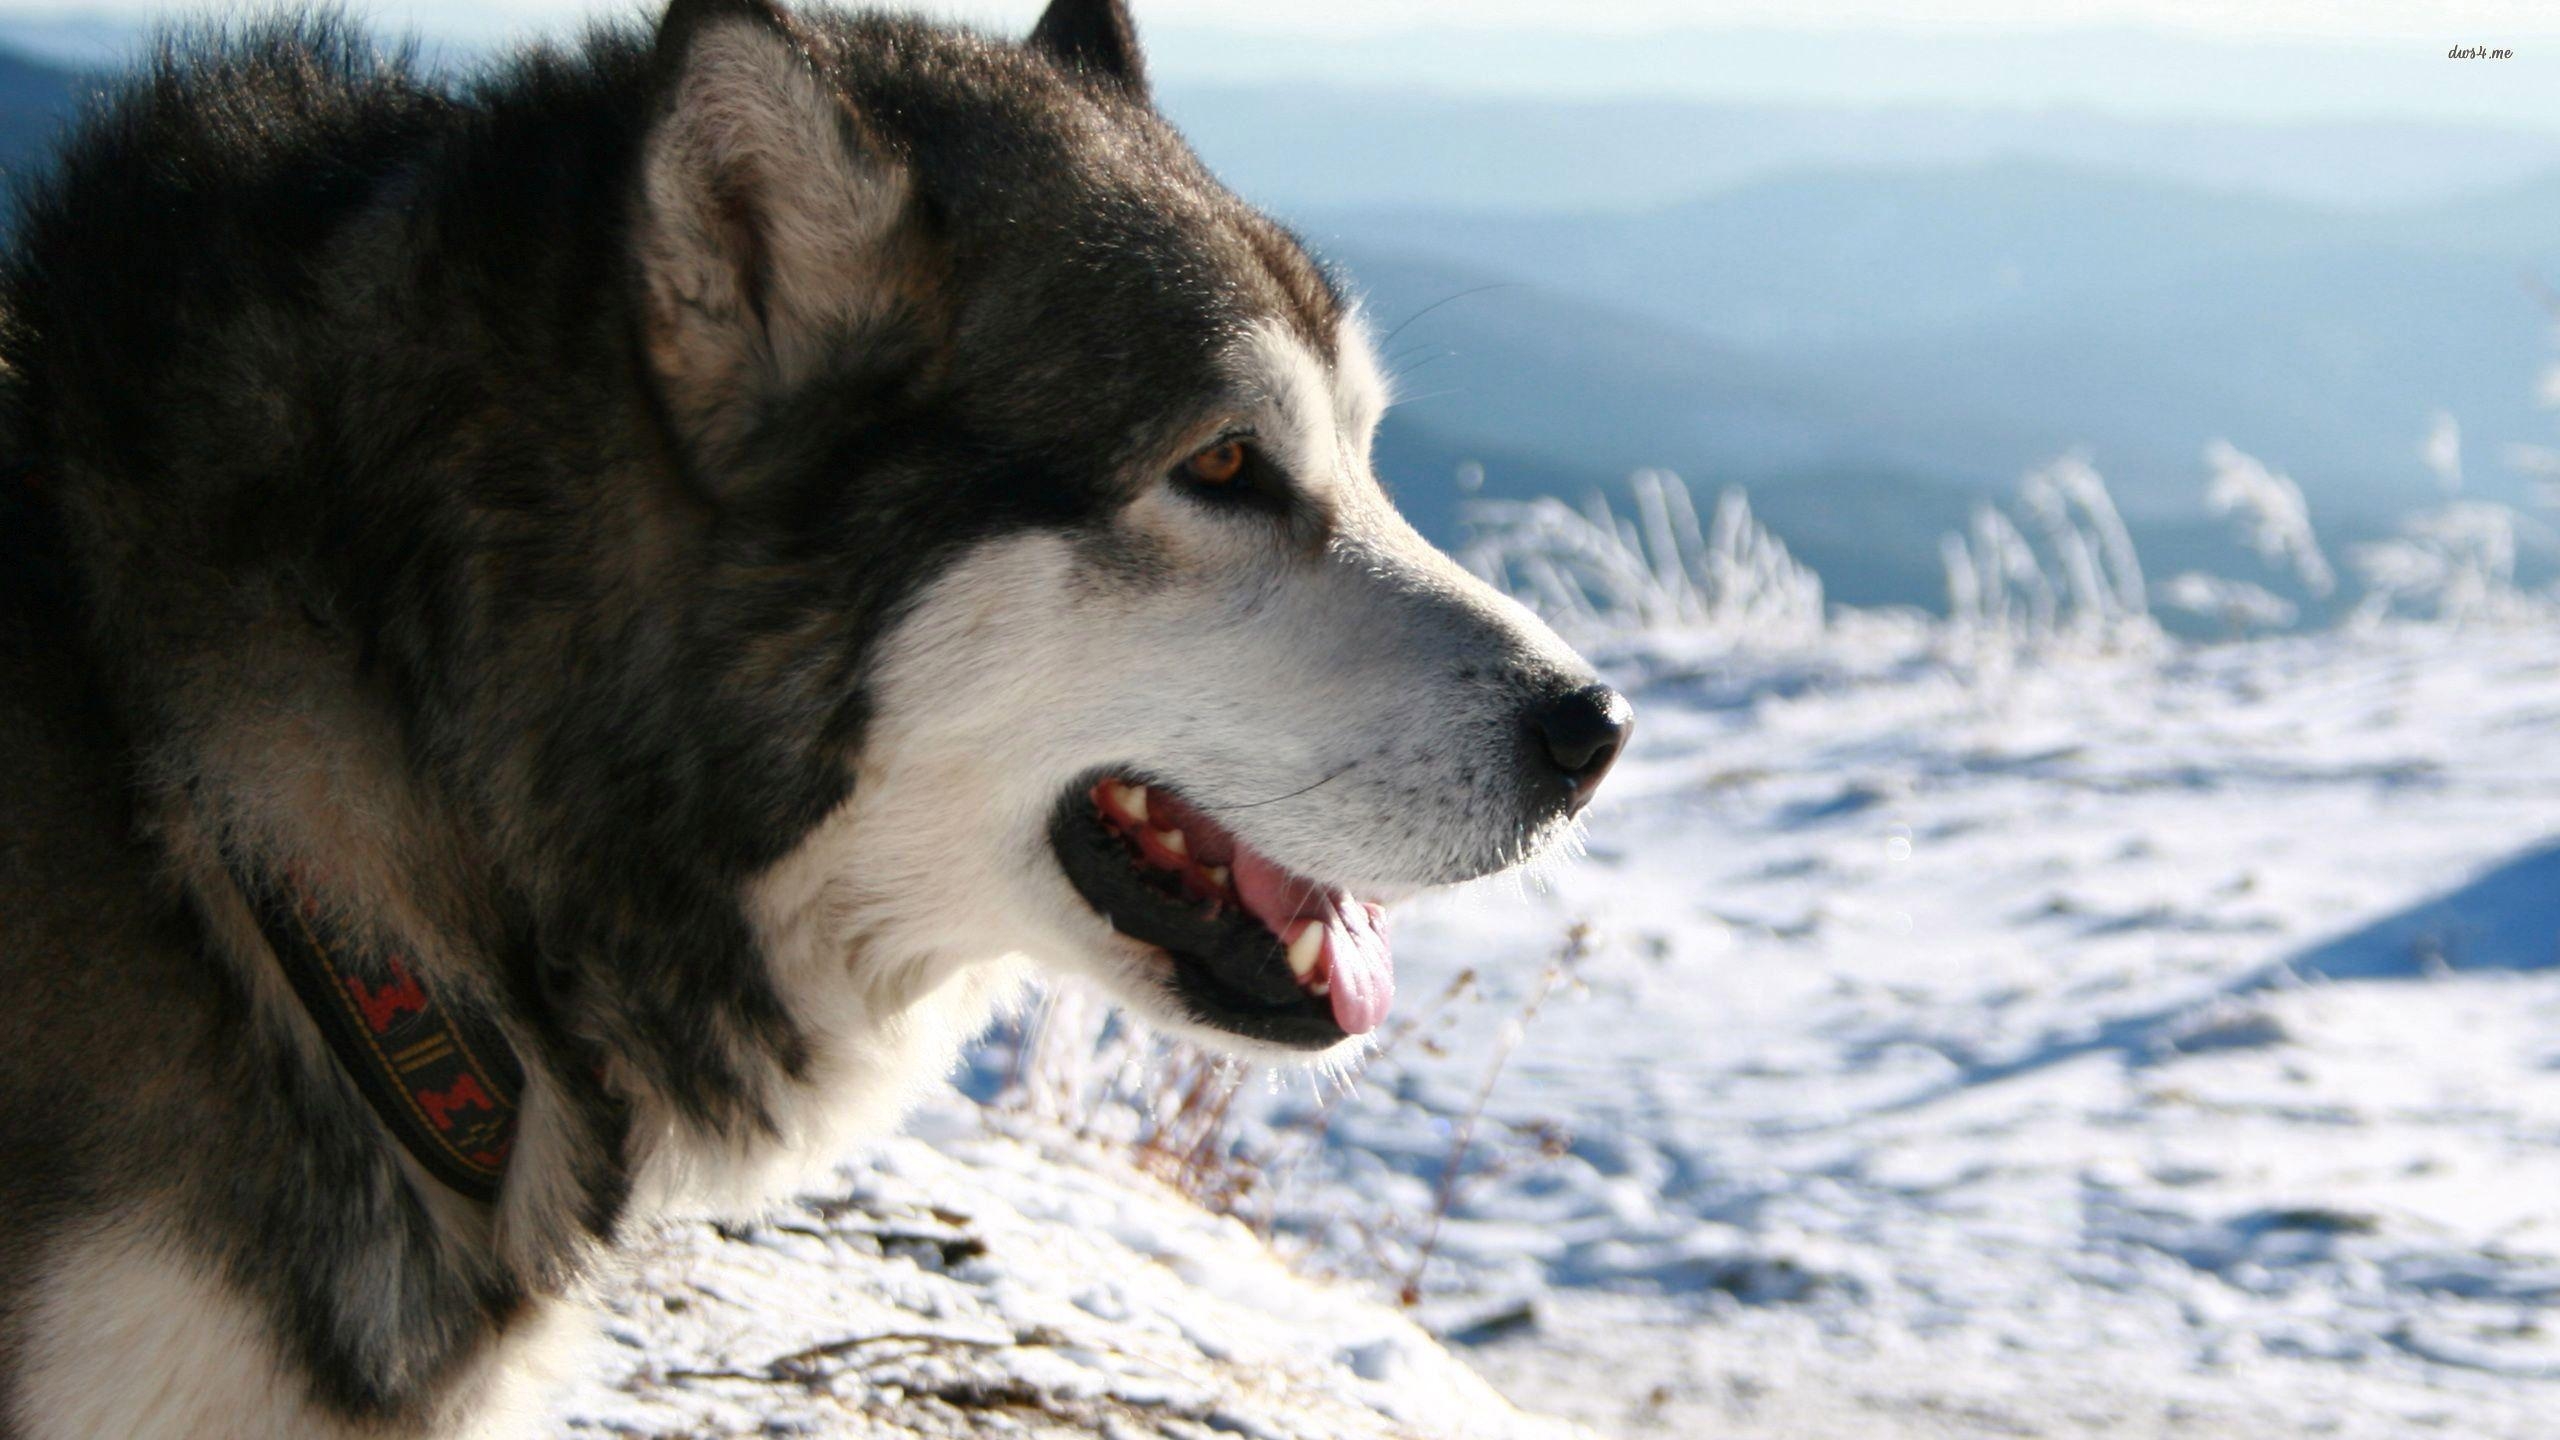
(2250, 59)
(2327, 18)
(2482, 21)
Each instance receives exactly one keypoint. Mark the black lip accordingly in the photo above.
(1228, 971)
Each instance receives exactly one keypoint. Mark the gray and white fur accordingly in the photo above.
(651, 533)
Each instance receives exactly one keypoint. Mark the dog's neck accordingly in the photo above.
(304, 792)
(431, 1058)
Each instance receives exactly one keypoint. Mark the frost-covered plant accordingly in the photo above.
(1657, 569)
(2456, 563)
(1220, 1130)
(2239, 605)
(2274, 518)
(2453, 564)
(1996, 588)
(2069, 499)
(1082, 1068)
(2084, 587)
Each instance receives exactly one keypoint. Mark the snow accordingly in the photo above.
(2132, 1042)
(2142, 1044)
(963, 1284)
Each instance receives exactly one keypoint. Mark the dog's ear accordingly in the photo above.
(1095, 37)
(773, 229)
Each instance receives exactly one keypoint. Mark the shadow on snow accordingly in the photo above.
(2504, 919)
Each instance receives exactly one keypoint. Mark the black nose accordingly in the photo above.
(1582, 731)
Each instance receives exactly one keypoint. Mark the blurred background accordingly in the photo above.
(2076, 949)
(1870, 261)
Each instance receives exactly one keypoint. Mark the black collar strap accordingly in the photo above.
(438, 1072)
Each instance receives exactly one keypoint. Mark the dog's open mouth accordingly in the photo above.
(1256, 950)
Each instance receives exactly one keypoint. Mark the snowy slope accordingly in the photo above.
(2149, 1044)
(963, 1285)
(2156, 1044)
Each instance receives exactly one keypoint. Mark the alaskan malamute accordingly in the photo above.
(564, 638)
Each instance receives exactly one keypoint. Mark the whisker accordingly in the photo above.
(1438, 395)
(1400, 370)
(1445, 300)
(1276, 799)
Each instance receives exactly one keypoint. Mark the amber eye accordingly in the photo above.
(1217, 465)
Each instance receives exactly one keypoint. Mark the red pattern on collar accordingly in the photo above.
(436, 1069)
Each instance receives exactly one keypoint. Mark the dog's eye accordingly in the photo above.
(1220, 464)
(1234, 472)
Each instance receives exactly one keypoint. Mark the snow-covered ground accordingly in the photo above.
(962, 1285)
(2146, 1045)
(2151, 1044)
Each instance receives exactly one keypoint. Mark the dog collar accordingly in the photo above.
(437, 1071)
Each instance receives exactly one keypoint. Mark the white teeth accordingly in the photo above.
(1130, 801)
(1306, 949)
(1217, 875)
(1321, 988)
(1172, 840)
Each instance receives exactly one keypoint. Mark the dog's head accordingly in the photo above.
(1067, 449)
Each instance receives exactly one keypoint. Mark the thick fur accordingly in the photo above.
(649, 534)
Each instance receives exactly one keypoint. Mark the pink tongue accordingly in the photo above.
(1362, 971)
